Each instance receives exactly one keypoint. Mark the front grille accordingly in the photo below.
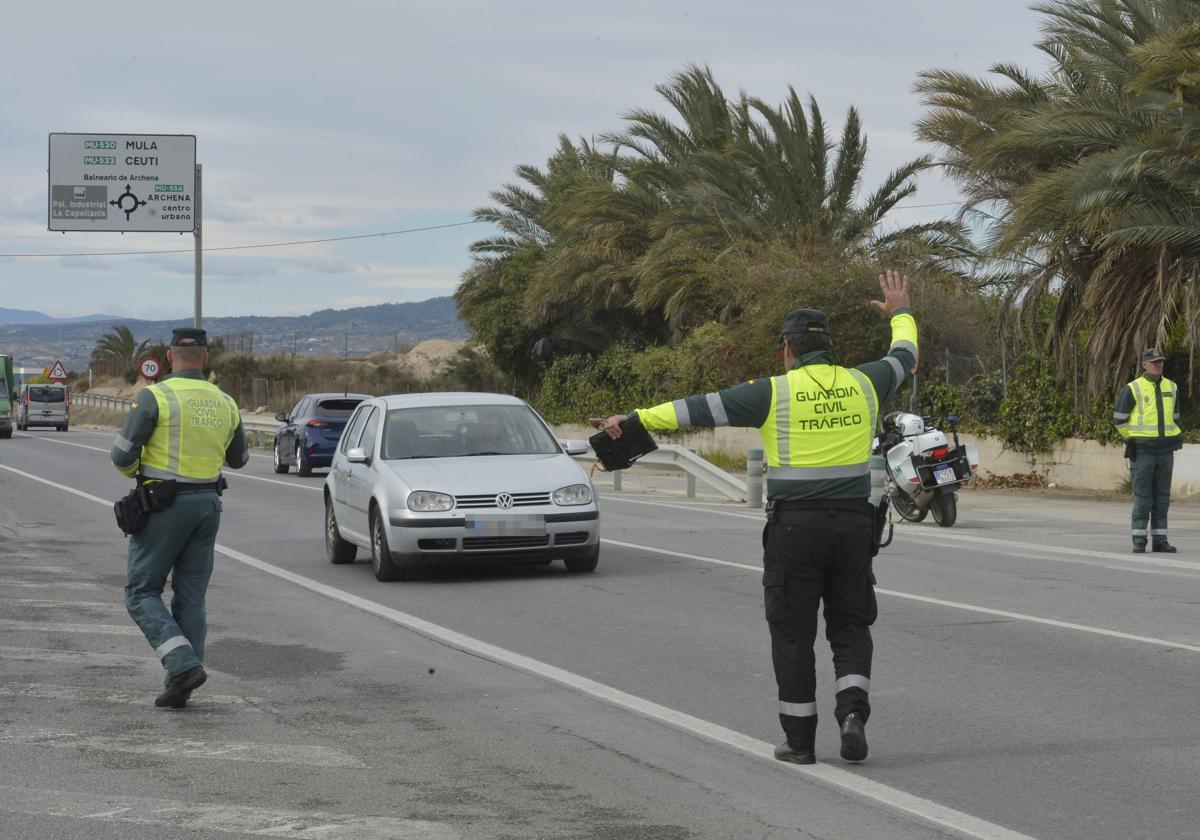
(573, 538)
(488, 500)
(485, 543)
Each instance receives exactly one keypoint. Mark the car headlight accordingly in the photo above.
(427, 500)
(575, 494)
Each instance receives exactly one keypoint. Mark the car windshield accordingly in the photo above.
(338, 409)
(461, 431)
(46, 395)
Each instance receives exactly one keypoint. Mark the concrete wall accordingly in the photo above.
(1082, 464)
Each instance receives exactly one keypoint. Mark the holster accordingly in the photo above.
(132, 511)
(1131, 449)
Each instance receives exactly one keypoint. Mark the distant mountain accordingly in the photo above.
(329, 332)
(29, 316)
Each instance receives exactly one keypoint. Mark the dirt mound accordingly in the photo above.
(429, 358)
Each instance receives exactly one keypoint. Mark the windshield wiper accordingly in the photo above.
(473, 454)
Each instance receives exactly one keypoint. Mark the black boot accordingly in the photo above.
(854, 738)
(1139, 549)
(801, 737)
(179, 688)
(786, 752)
(1164, 547)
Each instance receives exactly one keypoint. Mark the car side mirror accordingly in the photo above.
(357, 455)
(281, 417)
(574, 447)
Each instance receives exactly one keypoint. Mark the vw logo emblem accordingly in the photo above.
(504, 501)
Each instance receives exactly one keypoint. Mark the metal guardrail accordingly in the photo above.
(693, 467)
(102, 401)
(260, 429)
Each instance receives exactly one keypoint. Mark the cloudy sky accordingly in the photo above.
(320, 119)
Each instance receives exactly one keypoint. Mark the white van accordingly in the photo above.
(44, 405)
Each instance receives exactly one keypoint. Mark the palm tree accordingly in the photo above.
(721, 179)
(1070, 177)
(117, 351)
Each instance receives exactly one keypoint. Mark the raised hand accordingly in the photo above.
(894, 286)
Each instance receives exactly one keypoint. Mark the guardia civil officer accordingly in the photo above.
(816, 421)
(181, 429)
(1147, 417)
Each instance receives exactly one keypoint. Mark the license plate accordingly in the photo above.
(944, 475)
(506, 525)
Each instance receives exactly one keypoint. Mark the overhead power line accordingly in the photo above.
(242, 247)
(312, 241)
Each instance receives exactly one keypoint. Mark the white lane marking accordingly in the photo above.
(46, 604)
(63, 442)
(308, 755)
(1165, 562)
(231, 474)
(319, 488)
(1049, 622)
(57, 584)
(1023, 550)
(54, 570)
(47, 691)
(844, 781)
(57, 486)
(682, 555)
(78, 657)
(187, 818)
(85, 629)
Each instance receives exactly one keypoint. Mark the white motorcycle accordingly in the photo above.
(922, 469)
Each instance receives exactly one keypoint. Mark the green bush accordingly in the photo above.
(624, 377)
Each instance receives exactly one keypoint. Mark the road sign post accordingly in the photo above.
(127, 183)
(198, 318)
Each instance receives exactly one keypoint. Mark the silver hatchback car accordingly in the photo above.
(432, 480)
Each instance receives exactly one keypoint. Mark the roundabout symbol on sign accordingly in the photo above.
(119, 202)
(150, 368)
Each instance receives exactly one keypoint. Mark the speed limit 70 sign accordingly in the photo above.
(151, 368)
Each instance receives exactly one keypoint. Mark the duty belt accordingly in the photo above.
(854, 505)
(208, 487)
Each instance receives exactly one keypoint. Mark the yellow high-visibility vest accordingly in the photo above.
(196, 424)
(1143, 419)
(820, 424)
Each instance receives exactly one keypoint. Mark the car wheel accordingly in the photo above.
(63, 427)
(586, 563)
(337, 549)
(381, 556)
(302, 465)
(280, 467)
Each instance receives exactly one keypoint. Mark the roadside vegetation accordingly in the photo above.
(659, 258)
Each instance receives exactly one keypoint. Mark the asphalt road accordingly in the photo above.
(1032, 679)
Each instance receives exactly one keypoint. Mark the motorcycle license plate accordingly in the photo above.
(944, 475)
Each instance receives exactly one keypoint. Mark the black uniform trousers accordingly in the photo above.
(814, 555)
